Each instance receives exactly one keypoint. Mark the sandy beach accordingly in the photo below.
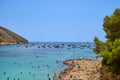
(85, 69)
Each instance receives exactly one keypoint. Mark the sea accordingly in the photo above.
(40, 60)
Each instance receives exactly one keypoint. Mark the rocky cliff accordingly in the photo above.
(9, 37)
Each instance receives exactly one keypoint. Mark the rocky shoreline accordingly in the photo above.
(85, 69)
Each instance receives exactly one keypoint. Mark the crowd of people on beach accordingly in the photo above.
(81, 69)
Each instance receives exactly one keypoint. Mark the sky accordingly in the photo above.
(57, 20)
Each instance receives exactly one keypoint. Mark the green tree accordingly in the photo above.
(111, 26)
(110, 50)
(111, 58)
(98, 45)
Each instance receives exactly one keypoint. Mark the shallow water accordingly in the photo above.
(34, 61)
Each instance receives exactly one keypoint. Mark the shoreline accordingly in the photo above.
(85, 69)
(81, 69)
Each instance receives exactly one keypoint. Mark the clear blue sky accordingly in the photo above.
(56, 20)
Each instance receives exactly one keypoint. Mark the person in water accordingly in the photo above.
(48, 77)
(7, 78)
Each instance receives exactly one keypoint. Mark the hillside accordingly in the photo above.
(9, 37)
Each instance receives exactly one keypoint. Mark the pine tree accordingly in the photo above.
(111, 26)
(110, 50)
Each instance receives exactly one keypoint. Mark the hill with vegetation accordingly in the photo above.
(9, 37)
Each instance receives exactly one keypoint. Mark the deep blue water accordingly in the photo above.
(34, 61)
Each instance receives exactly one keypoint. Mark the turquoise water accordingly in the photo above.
(34, 61)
